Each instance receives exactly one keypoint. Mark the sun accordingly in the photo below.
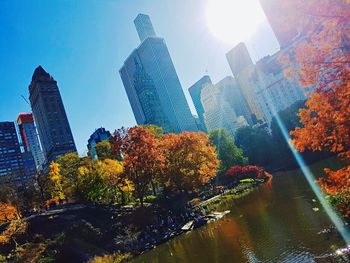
(233, 21)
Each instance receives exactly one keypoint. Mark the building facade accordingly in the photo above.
(54, 130)
(144, 27)
(153, 57)
(275, 92)
(11, 159)
(243, 70)
(278, 14)
(30, 138)
(195, 92)
(100, 135)
(218, 114)
(234, 96)
(149, 100)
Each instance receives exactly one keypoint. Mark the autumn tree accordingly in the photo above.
(16, 226)
(321, 59)
(113, 176)
(56, 190)
(228, 153)
(190, 161)
(142, 156)
(8, 213)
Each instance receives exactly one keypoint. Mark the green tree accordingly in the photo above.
(290, 119)
(156, 130)
(228, 153)
(256, 144)
(69, 165)
(104, 150)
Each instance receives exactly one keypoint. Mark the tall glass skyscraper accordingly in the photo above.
(50, 116)
(153, 58)
(144, 27)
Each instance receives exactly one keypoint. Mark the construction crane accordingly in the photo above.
(24, 98)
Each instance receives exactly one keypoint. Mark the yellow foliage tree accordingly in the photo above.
(56, 191)
(190, 160)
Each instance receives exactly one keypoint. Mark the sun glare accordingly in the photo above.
(233, 21)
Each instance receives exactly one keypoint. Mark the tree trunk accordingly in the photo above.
(141, 201)
(154, 188)
(123, 197)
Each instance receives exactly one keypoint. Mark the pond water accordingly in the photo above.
(277, 222)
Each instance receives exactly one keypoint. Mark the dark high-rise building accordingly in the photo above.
(30, 138)
(195, 92)
(238, 58)
(100, 135)
(150, 72)
(50, 116)
(278, 13)
(11, 159)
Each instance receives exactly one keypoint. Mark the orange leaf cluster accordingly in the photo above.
(8, 213)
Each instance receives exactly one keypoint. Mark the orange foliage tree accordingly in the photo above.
(321, 59)
(142, 156)
(190, 160)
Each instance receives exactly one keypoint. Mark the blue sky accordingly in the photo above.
(83, 44)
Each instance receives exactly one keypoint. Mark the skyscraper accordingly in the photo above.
(218, 114)
(11, 159)
(149, 100)
(152, 60)
(278, 13)
(144, 27)
(234, 96)
(98, 136)
(238, 58)
(275, 92)
(244, 71)
(30, 138)
(195, 92)
(50, 116)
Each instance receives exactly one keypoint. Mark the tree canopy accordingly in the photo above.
(228, 153)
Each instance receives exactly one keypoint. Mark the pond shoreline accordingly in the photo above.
(202, 210)
(80, 232)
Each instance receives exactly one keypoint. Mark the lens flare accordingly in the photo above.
(337, 221)
(233, 21)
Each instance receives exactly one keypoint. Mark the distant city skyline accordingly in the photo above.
(83, 47)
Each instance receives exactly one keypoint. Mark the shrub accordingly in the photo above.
(237, 173)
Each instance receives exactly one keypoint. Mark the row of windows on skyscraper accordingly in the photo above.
(255, 93)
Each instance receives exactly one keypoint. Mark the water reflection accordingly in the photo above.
(275, 223)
